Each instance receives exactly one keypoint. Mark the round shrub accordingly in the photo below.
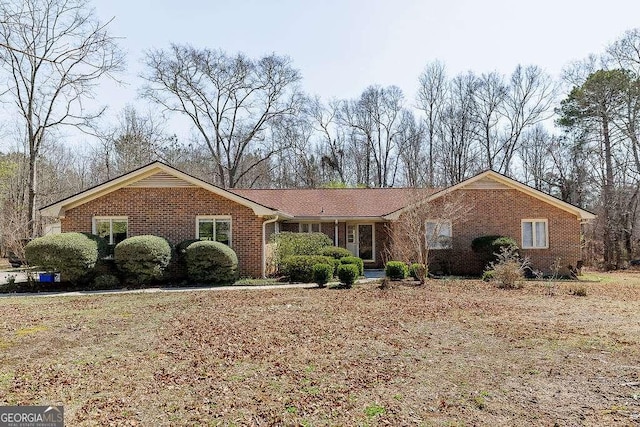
(102, 244)
(211, 262)
(142, 258)
(335, 252)
(72, 254)
(348, 273)
(322, 273)
(354, 260)
(396, 270)
(299, 268)
(106, 281)
(418, 271)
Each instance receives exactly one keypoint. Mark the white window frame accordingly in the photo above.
(533, 222)
(450, 236)
(94, 225)
(307, 227)
(214, 218)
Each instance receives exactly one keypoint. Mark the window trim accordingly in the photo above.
(214, 218)
(533, 221)
(309, 226)
(441, 221)
(111, 218)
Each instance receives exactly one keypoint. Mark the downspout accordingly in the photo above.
(264, 245)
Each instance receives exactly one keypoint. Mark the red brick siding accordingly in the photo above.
(500, 212)
(171, 213)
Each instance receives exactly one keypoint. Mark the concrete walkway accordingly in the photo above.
(369, 277)
(157, 290)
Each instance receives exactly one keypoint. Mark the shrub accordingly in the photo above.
(72, 254)
(508, 269)
(396, 270)
(354, 260)
(142, 258)
(299, 268)
(487, 276)
(487, 247)
(348, 273)
(335, 252)
(322, 273)
(211, 262)
(289, 244)
(102, 244)
(418, 271)
(106, 281)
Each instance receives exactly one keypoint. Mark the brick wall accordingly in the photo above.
(499, 212)
(171, 213)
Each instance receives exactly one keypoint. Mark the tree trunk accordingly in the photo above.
(608, 239)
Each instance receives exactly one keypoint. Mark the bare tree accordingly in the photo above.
(424, 225)
(431, 99)
(376, 122)
(54, 53)
(459, 152)
(231, 100)
(135, 140)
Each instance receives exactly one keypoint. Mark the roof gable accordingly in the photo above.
(156, 175)
(493, 180)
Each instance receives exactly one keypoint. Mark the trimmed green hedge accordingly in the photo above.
(211, 262)
(142, 258)
(322, 273)
(72, 254)
(354, 260)
(348, 273)
(299, 268)
(289, 244)
(396, 270)
(335, 252)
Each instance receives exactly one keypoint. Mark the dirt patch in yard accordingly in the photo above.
(448, 353)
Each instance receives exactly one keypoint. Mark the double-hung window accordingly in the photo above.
(215, 228)
(114, 229)
(438, 233)
(309, 227)
(535, 234)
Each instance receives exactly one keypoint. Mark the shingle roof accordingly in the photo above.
(335, 202)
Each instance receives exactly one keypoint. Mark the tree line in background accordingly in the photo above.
(253, 126)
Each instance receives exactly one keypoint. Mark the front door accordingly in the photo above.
(360, 241)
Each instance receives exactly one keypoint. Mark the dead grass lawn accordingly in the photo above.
(450, 353)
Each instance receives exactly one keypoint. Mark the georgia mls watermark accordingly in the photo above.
(31, 416)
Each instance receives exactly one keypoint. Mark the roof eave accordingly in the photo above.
(58, 209)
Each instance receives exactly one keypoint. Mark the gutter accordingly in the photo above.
(264, 244)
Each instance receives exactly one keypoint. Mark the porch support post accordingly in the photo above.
(335, 234)
(264, 244)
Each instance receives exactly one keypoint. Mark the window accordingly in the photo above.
(438, 234)
(114, 229)
(535, 234)
(215, 228)
(309, 227)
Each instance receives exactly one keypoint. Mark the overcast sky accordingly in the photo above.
(342, 46)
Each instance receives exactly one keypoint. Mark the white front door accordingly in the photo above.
(360, 241)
